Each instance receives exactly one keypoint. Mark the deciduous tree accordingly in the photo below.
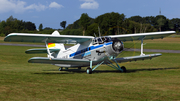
(40, 27)
(63, 24)
(84, 22)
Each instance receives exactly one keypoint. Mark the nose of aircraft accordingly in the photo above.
(117, 46)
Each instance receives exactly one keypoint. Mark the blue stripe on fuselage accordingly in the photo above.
(87, 50)
(87, 53)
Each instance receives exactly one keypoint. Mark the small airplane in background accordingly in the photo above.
(87, 51)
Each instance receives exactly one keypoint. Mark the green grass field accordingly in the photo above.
(156, 79)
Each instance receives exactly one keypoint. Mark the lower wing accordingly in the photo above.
(86, 62)
(135, 58)
(58, 61)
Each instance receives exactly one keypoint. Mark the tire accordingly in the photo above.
(89, 71)
(123, 69)
(60, 69)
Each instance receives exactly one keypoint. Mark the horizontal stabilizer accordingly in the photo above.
(39, 51)
(136, 58)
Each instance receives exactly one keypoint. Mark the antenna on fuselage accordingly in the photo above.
(100, 35)
(95, 35)
(99, 31)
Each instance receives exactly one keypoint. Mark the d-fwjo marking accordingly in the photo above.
(88, 51)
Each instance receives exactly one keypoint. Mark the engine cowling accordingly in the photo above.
(117, 46)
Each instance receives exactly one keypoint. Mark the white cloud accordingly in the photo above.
(89, 4)
(16, 6)
(19, 6)
(55, 5)
(38, 7)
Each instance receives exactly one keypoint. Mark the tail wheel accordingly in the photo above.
(123, 69)
(89, 70)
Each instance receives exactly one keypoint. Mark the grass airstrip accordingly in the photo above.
(156, 79)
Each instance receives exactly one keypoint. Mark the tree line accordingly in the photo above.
(15, 25)
(115, 23)
(12, 24)
(108, 24)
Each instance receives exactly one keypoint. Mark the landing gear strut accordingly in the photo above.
(122, 69)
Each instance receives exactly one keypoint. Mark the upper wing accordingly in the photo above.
(152, 35)
(67, 39)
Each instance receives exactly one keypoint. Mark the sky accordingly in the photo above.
(51, 12)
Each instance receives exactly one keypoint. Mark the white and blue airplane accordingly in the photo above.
(87, 51)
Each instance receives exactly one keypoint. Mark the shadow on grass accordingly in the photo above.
(70, 71)
(151, 69)
(53, 73)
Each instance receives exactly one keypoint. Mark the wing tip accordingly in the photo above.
(7, 38)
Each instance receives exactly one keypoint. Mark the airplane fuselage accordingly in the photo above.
(98, 50)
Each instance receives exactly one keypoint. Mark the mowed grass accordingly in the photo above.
(156, 79)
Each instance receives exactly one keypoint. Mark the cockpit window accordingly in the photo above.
(107, 39)
(95, 41)
(101, 40)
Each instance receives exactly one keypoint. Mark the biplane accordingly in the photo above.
(88, 51)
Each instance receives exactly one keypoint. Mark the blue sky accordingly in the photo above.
(51, 12)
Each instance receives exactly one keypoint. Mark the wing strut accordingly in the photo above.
(142, 54)
(49, 53)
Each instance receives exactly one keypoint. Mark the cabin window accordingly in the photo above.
(100, 41)
(108, 39)
(95, 41)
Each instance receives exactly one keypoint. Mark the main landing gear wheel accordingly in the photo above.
(60, 69)
(123, 69)
(89, 71)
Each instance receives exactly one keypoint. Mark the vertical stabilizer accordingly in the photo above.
(56, 46)
(55, 33)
